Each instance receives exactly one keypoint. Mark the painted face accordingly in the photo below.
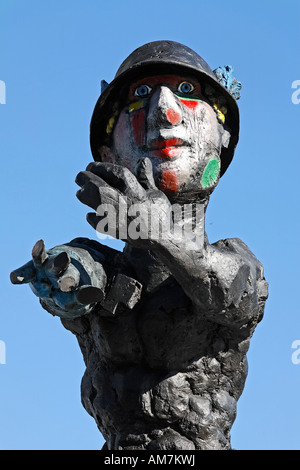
(168, 119)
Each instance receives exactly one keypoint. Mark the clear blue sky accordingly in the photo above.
(53, 57)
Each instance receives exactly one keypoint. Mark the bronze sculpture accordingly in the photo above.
(164, 326)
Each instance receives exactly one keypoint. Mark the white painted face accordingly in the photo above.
(168, 120)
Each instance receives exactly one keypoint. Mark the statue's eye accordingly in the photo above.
(185, 87)
(142, 90)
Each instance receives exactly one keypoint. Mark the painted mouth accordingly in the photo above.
(167, 148)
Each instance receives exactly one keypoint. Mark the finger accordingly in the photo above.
(89, 295)
(103, 224)
(70, 280)
(89, 192)
(24, 274)
(107, 225)
(93, 219)
(92, 186)
(61, 262)
(144, 173)
(96, 197)
(119, 177)
(89, 195)
(85, 177)
(39, 253)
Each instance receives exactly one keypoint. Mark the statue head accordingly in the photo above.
(166, 104)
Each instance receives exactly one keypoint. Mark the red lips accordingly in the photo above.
(168, 148)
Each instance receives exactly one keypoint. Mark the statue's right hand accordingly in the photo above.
(64, 285)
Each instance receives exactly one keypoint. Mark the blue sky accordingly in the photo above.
(53, 57)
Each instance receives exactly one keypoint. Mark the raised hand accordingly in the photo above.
(66, 279)
(134, 202)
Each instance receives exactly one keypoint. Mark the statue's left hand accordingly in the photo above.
(124, 202)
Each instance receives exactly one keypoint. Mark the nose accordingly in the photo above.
(163, 109)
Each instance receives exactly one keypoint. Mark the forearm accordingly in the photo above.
(188, 265)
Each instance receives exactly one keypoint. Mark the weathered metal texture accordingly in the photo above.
(164, 326)
(167, 374)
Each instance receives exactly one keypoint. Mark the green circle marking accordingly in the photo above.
(210, 173)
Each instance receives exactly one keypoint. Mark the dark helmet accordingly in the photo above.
(161, 57)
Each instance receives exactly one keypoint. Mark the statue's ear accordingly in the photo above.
(106, 154)
(226, 138)
(104, 85)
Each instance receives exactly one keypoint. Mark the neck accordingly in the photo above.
(189, 198)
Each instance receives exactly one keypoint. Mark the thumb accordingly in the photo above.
(144, 173)
(23, 275)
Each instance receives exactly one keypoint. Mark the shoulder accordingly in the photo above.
(239, 248)
(256, 270)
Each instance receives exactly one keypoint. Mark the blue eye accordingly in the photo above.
(143, 90)
(185, 87)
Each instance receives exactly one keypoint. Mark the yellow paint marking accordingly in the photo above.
(136, 105)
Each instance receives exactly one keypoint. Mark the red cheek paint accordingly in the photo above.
(173, 116)
(191, 104)
(138, 122)
(168, 182)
